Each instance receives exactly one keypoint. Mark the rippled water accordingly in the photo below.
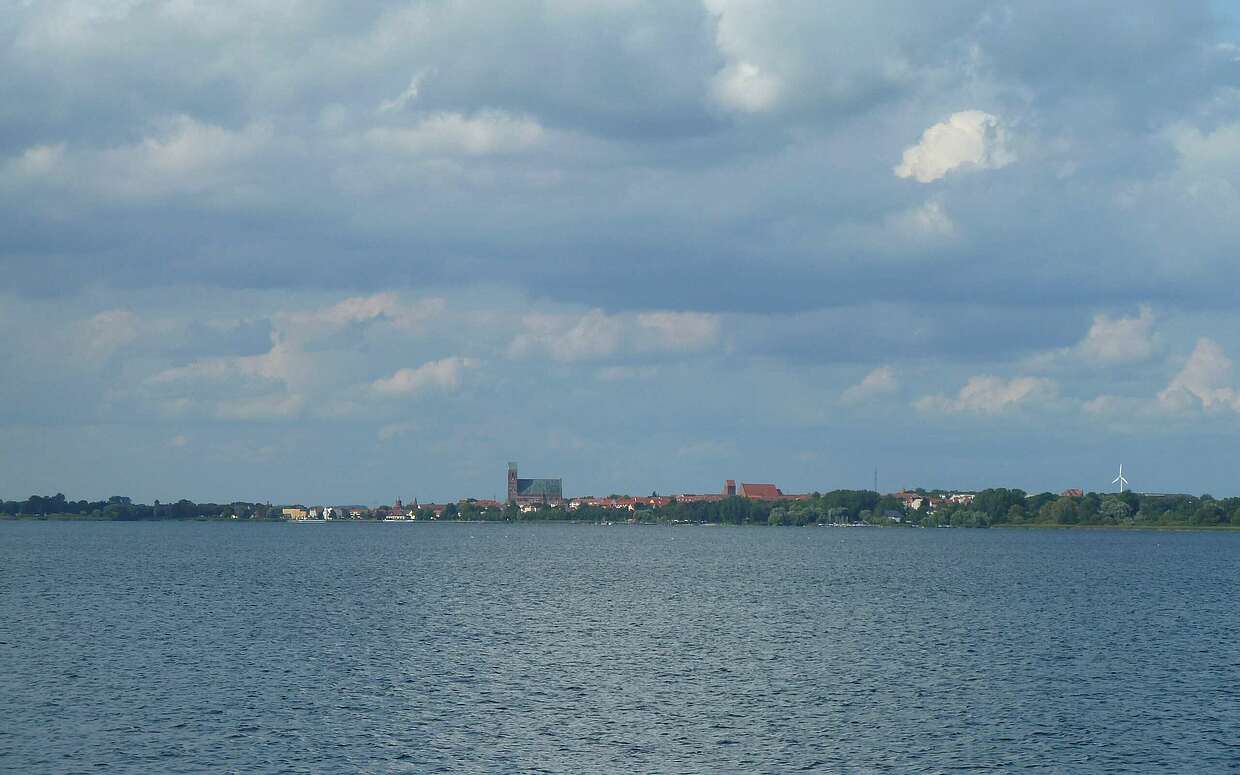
(572, 648)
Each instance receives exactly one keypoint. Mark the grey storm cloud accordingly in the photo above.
(949, 195)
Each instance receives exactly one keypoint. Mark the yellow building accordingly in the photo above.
(296, 514)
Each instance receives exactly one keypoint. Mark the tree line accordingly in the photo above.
(1002, 506)
(840, 506)
(990, 507)
(120, 508)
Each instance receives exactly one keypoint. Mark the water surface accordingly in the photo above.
(578, 649)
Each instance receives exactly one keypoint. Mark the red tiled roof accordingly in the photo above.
(760, 490)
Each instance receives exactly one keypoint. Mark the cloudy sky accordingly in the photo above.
(324, 252)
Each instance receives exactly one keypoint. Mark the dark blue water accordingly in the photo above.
(577, 649)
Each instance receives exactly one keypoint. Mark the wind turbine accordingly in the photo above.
(1120, 480)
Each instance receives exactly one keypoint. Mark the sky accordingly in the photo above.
(316, 252)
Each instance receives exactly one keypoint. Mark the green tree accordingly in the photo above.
(1114, 511)
(969, 518)
(996, 502)
(1208, 513)
(733, 509)
(1087, 508)
(1061, 511)
(1034, 503)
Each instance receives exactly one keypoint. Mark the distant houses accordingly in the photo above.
(527, 496)
(533, 495)
(621, 502)
(761, 492)
(917, 501)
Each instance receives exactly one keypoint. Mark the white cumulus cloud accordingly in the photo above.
(361, 309)
(1204, 382)
(408, 96)
(744, 87)
(1119, 340)
(928, 221)
(566, 338)
(746, 83)
(1206, 151)
(879, 382)
(283, 362)
(970, 138)
(444, 374)
(303, 371)
(183, 155)
(989, 395)
(595, 334)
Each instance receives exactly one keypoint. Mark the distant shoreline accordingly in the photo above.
(615, 523)
(1155, 528)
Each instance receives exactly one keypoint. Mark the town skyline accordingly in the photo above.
(610, 497)
(748, 504)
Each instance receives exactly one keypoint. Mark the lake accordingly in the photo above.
(263, 648)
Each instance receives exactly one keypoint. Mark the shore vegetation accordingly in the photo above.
(996, 507)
